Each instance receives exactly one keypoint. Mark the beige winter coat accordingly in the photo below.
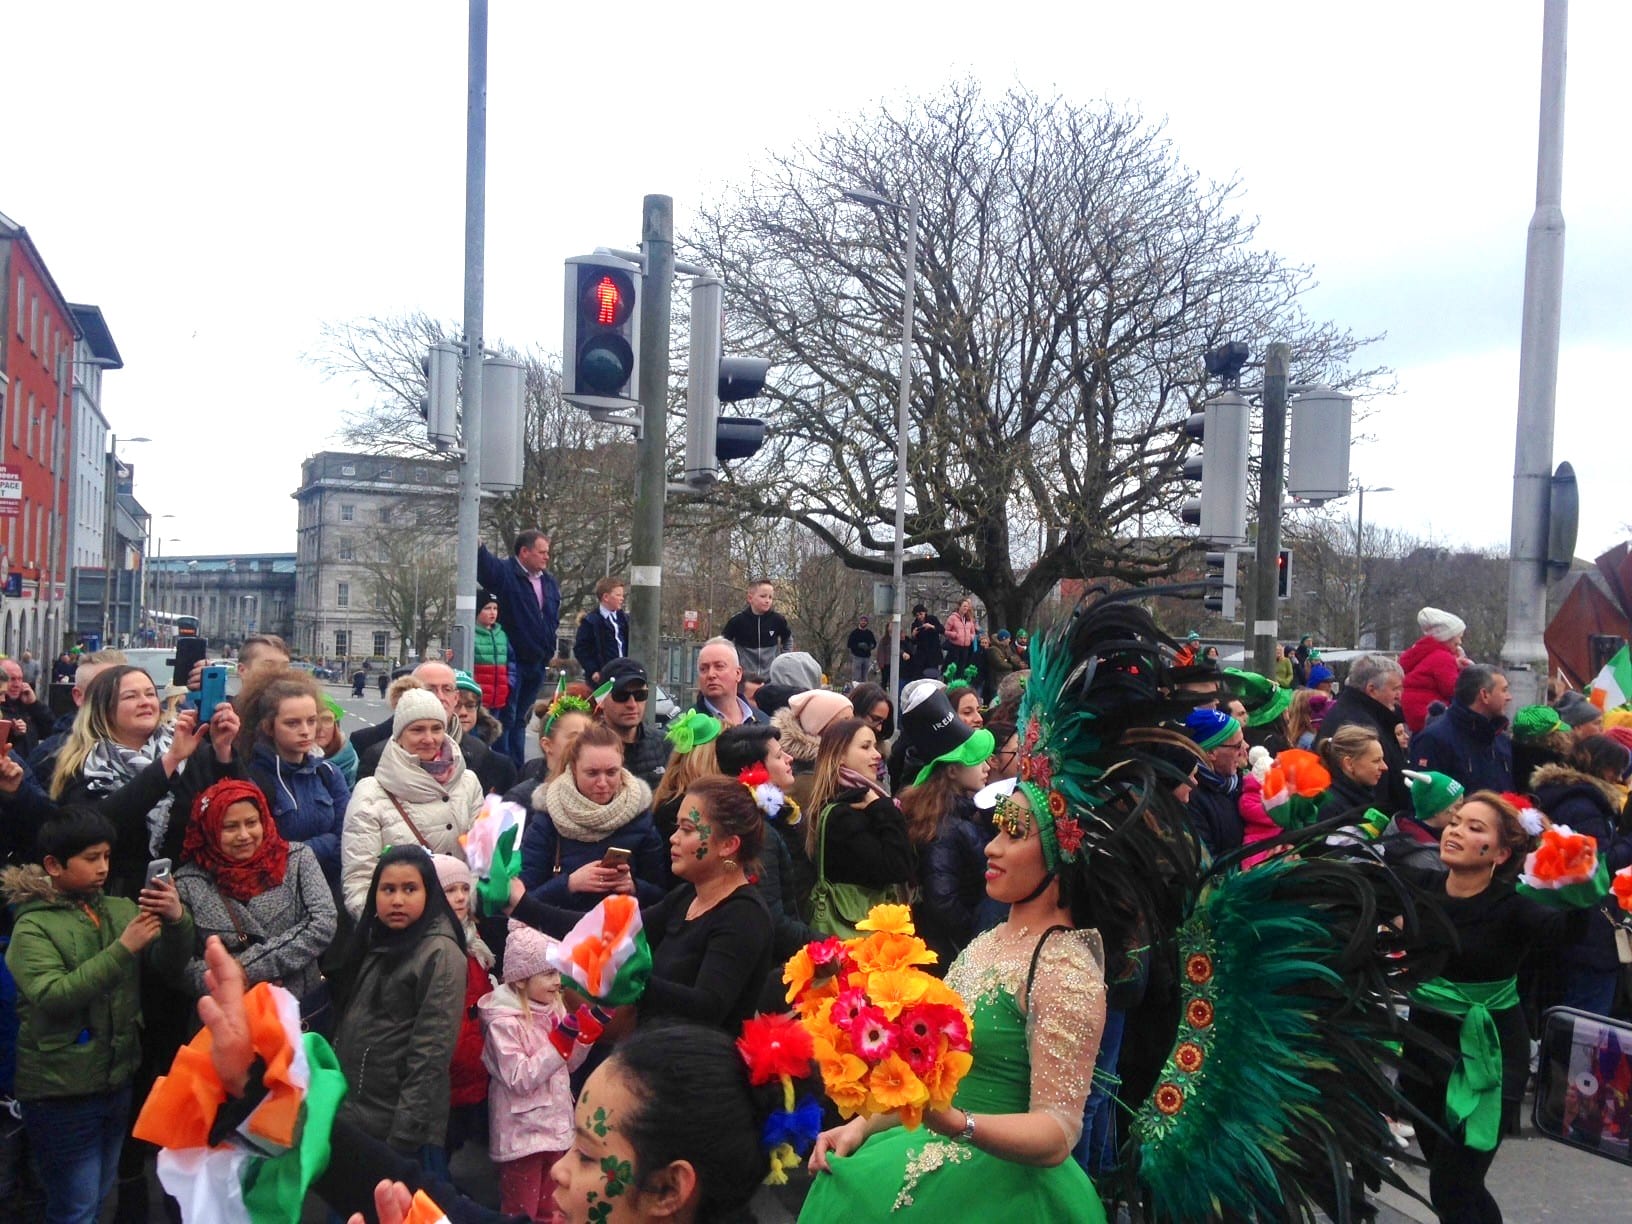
(440, 813)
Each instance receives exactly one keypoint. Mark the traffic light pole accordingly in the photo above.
(470, 474)
(651, 480)
(1262, 630)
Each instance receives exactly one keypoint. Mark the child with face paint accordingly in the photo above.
(402, 985)
(532, 1047)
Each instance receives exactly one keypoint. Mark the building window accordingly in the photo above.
(342, 642)
(387, 473)
(342, 594)
(347, 512)
(379, 643)
(347, 552)
(21, 312)
(451, 478)
(348, 469)
(385, 514)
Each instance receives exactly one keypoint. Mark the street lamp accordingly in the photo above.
(1360, 549)
(909, 289)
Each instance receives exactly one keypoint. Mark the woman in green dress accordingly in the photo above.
(1035, 987)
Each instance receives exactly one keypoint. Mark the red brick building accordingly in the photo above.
(37, 334)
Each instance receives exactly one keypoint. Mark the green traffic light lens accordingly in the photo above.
(604, 364)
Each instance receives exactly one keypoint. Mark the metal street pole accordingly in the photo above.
(1271, 477)
(651, 480)
(470, 469)
(1524, 652)
(1359, 560)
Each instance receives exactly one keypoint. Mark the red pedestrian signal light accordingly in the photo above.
(602, 325)
(608, 300)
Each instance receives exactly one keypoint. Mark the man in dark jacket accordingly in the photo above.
(1216, 797)
(861, 643)
(1469, 742)
(1371, 698)
(603, 632)
(623, 708)
(30, 717)
(530, 611)
(924, 643)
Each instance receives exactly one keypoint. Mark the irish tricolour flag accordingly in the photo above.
(606, 953)
(1612, 688)
(260, 1172)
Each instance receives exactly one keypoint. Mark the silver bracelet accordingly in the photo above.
(967, 1134)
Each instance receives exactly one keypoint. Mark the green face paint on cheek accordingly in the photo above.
(703, 834)
(600, 1123)
(619, 1173)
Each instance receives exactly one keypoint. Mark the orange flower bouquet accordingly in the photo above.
(1564, 871)
(888, 1037)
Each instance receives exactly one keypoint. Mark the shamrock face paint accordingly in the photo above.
(595, 1179)
(692, 841)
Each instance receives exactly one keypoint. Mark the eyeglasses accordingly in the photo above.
(630, 695)
(1003, 758)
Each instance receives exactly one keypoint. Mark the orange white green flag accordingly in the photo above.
(259, 1173)
(1612, 687)
(606, 954)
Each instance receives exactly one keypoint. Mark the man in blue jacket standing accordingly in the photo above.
(530, 611)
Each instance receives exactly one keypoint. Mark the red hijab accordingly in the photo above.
(202, 845)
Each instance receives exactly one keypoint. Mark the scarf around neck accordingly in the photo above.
(579, 819)
(110, 765)
(442, 768)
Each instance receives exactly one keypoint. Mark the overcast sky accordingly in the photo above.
(222, 179)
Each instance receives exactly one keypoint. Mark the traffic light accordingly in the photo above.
(1221, 467)
(1283, 574)
(600, 353)
(440, 405)
(1318, 462)
(712, 379)
(1219, 596)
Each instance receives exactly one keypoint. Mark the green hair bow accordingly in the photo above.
(693, 729)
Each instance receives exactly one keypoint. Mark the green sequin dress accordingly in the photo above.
(1039, 1058)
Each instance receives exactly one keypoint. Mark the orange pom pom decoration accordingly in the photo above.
(1563, 858)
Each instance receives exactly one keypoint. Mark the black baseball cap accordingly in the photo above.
(623, 675)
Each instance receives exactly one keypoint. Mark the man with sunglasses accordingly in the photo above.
(620, 703)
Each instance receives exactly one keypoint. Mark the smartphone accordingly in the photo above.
(158, 869)
(189, 651)
(616, 856)
(212, 692)
(5, 736)
(1581, 1098)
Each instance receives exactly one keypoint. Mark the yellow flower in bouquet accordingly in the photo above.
(888, 1037)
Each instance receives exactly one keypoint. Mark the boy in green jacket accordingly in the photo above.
(76, 955)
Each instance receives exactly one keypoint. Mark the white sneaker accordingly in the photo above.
(1403, 1132)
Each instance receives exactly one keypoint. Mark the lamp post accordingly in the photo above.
(1360, 549)
(910, 286)
(110, 530)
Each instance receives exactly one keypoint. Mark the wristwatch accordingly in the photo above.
(967, 1134)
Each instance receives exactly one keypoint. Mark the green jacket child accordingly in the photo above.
(78, 973)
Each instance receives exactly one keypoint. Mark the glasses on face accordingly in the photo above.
(630, 695)
(876, 720)
(1005, 759)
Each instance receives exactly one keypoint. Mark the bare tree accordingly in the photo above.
(410, 576)
(1071, 273)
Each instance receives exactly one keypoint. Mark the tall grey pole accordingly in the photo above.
(470, 465)
(1524, 652)
(1359, 558)
(1271, 477)
(651, 479)
(898, 576)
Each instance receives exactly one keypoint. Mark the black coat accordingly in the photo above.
(866, 840)
(1215, 811)
(952, 883)
(596, 645)
(1469, 747)
(1354, 706)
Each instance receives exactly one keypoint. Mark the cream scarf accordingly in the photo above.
(577, 819)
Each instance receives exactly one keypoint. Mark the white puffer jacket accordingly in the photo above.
(440, 813)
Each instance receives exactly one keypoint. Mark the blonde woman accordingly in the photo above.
(140, 771)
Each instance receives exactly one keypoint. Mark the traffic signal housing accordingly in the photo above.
(440, 405)
(600, 352)
(1222, 428)
(713, 379)
(1283, 574)
(1219, 597)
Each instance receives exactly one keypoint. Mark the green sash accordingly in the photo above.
(1473, 1098)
